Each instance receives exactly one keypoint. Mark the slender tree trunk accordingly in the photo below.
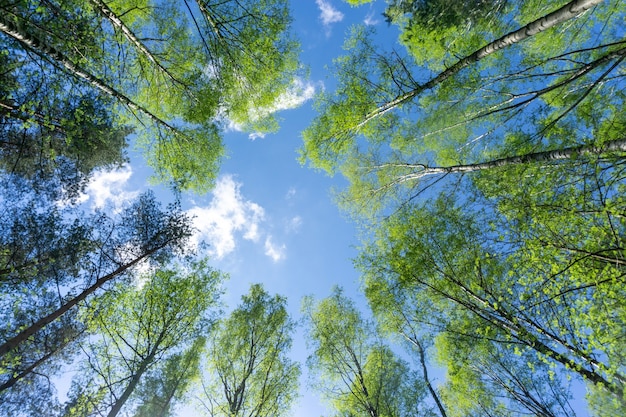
(207, 15)
(569, 11)
(512, 324)
(44, 321)
(535, 157)
(145, 363)
(48, 52)
(110, 15)
(431, 389)
(15, 378)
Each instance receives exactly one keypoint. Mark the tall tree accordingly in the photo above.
(135, 330)
(501, 234)
(142, 56)
(52, 267)
(392, 84)
(166, 386)
(485, 374)
(355, 370)
(472, 280)
(249, 372)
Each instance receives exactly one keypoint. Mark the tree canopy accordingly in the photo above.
(250, 373)
(485, 163)
(176, 73)
(484, 154)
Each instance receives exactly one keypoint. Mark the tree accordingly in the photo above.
(391, 84)
(51, 266)
(49, 132)
(167, 385)
(471, 282)
(355, 370)
(250, 374)
(484, 375)
(493, 211)
(496, 378)
(252, 55)
(142, 57)
(135, 330)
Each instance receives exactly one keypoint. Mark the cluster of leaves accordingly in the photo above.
(137, 65)
(487, 165)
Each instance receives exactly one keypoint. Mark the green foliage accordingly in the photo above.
(472, 277)
(250, 371)
(357, 2)
(354, 369)
(137, 330)
(48, 133)
(165, 386)
(331, 138)
(435, 32)
(53, 259)
(176, 87)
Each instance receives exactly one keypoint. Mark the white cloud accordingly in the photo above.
(298, 92)
(231, 126)
(256, 135)
(109, 187)
(370, 20)
(275, 252)
(328, 13)
(294, 224)
(227, 215)
(291, 193)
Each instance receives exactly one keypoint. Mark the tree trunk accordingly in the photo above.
(16, 377)
(145, 363)
(105, 11)
(48, 52)
(535, 157)
(569, 11)
(515, 326)
(44, 321)
(431, 389)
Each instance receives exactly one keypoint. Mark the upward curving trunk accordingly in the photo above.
(48, 52)
(568, 11)
(422, 170)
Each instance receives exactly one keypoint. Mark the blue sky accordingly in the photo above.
(269, 219)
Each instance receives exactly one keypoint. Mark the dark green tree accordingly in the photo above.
(52, 265)
(50, 134)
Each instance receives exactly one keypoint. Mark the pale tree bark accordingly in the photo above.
(548, 157)
(48, 52)
(531, 333)
(114, 19)
(567, 12)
